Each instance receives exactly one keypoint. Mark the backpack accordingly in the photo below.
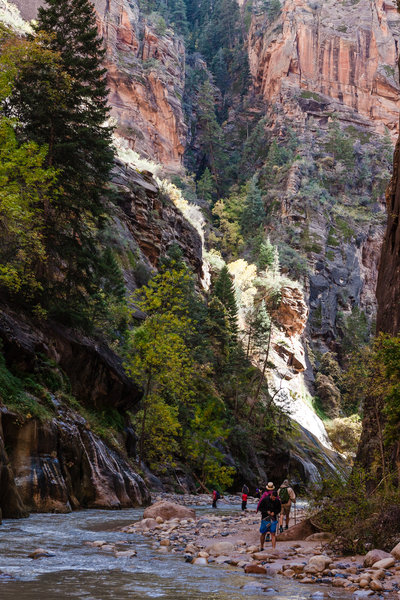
(217, 495)
(284, 495)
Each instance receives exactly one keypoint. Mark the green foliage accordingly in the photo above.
(356, 332)
(159, 360)
(25, 184)
(360, 520)
(266, 255)
(224, 291)
(207, 427)
(25, 397)
(58, 94)
(205, 186)
(253, 214)
(339, 145)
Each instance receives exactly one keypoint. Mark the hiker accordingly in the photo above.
(257, 494)
(270, 507)
(270, 486)
(268, 490)
(215, 497)
(287, 497)
(244, 501)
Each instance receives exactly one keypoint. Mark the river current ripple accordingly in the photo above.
(80, 571)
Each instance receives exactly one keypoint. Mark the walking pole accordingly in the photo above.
(295, 514)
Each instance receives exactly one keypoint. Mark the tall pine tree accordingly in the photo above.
(79, 146)
(224, 290)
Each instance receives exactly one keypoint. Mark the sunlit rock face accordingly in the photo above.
(146, 76)
(345, 51)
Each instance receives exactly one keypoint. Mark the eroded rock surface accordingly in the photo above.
(344, 51)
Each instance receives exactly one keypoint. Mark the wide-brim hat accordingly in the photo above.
(286, 482)
(270, 486)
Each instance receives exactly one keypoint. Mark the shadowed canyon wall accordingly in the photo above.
(388, 288)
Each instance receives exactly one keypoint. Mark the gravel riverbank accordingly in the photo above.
(231, 538)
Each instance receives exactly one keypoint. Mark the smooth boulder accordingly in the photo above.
(220, 548)
(385, 563)
(374, 556)
(320, 562)
(168, 510)
(396, 551)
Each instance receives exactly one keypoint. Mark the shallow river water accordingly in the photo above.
(79, 571)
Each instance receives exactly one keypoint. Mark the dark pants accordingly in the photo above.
(244, 504)
(214, 504)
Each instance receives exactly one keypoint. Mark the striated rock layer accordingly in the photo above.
(61, 465)
(146, 77)
(345, 51)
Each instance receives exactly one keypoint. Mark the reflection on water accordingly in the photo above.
(79, 571)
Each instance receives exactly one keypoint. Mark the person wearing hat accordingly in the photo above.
(269, 507)
(287, 497)
(268, 489)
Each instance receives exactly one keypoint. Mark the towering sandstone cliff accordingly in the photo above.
(345, 51)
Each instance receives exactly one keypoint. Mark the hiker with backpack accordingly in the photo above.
(270, 507)
(215, 497)
(287, 497)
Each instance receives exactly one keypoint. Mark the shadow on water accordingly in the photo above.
(79, 571)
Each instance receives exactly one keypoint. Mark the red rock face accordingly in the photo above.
(146, 76)
(345, 51)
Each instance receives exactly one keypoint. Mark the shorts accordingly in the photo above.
(268, 525)
(286, 509)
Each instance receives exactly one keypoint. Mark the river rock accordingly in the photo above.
(265, 555)
(165, 543)
(288, 573)
(147, 523)
(396, 551)
(168, 510)
(98, 543)
(200, 560)
(40, 553)
(301, 531)
(125, 554)
(385, 563)
(320, 561)
(320, 536)
(374, 556)
(375, 585)
(255, 568)
(220, 548)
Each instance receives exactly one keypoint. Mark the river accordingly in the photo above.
(80, 571)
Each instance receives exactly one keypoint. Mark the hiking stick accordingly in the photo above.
(295, 514)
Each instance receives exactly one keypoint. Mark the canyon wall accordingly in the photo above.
(388, 287)
(345, 51)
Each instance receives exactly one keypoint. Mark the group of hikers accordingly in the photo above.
(274, 506)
